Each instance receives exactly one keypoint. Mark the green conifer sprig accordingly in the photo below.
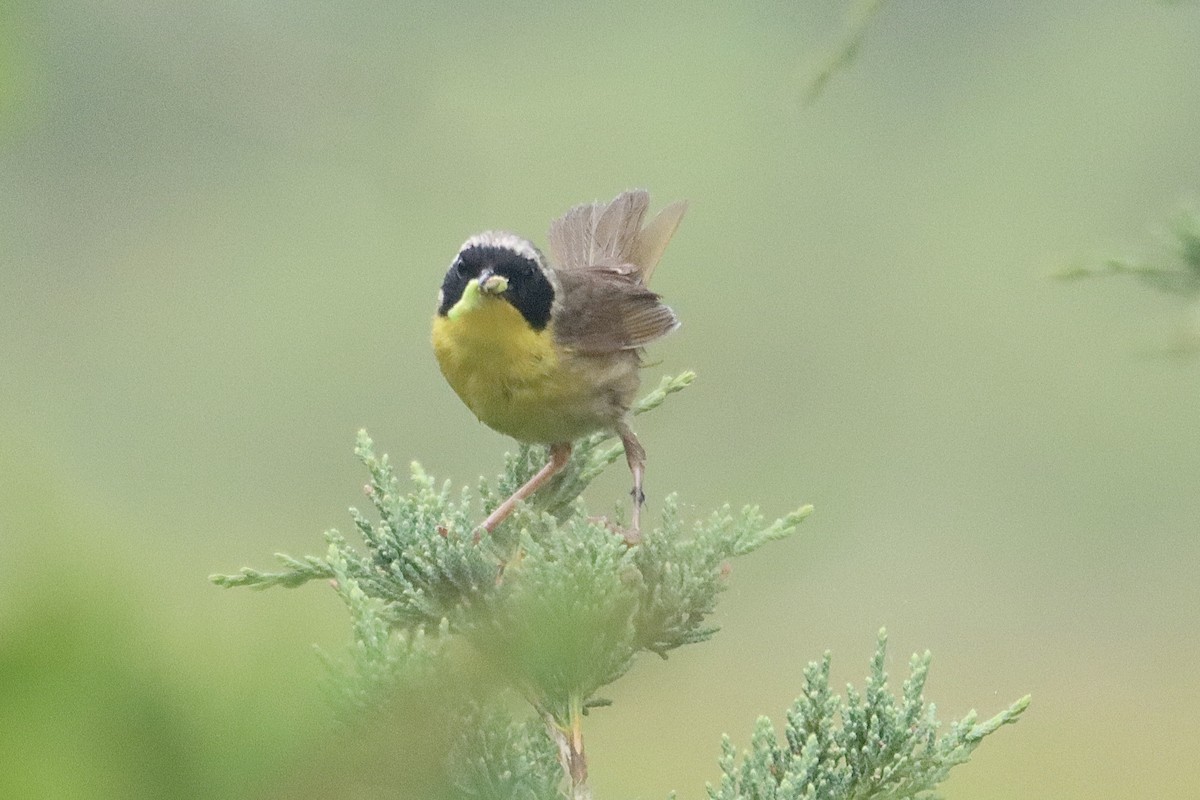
(561, 623)
(499, 758)
(681, 576)
(379, 657)
(297, 573)
(555, 596)
(885, 748)
(557, 605)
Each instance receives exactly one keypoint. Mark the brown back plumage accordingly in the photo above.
(604, 257)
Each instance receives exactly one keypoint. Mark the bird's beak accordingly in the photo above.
(488, 283)
(491, 283)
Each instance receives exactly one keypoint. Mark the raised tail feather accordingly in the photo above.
(611, 234)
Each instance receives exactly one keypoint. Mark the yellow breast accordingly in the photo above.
(514, 378)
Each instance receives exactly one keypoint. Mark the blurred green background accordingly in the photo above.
(222, 230)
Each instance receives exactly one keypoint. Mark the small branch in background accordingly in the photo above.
(1177, 275)
(846, 51)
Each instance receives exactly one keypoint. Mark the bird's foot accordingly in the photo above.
(632, 536)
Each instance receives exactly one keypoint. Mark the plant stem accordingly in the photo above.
(570, 754)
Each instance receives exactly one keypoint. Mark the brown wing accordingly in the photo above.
(607, 309)
(611, 233)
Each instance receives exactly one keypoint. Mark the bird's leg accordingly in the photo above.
(559, 453)
(635, 454)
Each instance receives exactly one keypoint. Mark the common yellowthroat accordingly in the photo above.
(549, 351)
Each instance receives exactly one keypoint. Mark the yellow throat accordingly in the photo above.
(510, 375)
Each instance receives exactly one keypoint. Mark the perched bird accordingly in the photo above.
(549, 351)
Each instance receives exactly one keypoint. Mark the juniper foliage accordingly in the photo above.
(884, 747)
(550, 609)
(499, 758)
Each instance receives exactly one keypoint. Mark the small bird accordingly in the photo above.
(548, 352)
